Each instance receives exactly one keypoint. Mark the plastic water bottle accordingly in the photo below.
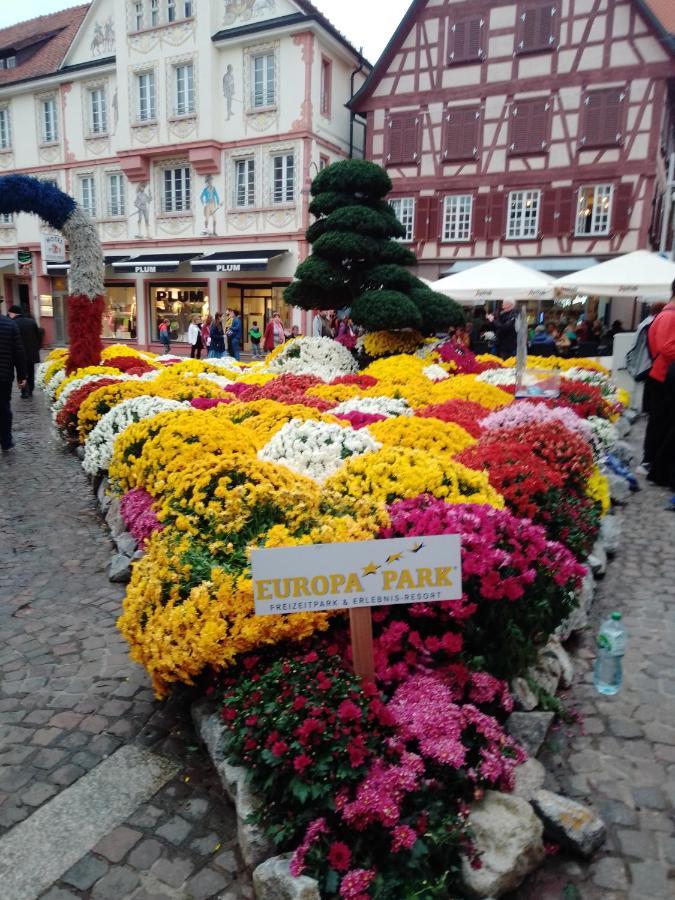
(611, 645)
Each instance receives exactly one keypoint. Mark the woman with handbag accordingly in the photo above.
(660, 439)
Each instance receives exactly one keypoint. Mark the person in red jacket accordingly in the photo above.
(274, 333)
(660, 439)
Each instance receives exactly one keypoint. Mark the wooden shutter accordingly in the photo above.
(403, 138)
(549, 209)
(461, 133)
(497, 215)
(426, 218)
(465, 41)
(566, 211)
(529, 126)
(481, 205)
(603, 118)
(623, 207)
(537, 28)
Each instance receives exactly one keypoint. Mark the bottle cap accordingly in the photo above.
(616, 616)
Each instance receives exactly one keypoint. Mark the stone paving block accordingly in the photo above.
(115, 846)
(57, 893)
(610, 872)
(38, 793)
(175, 830)
(66, 775)
(206, 884)
(85, 872)
(650, 798)
(119, 882)
(173, 872)
(650, 880)
(145, 854)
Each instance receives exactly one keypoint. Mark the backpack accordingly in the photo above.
(639, 358)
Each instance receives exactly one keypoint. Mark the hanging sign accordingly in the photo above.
(23, 264)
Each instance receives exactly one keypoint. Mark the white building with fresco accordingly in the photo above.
(190, 130)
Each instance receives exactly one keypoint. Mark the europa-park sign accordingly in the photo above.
(357, 577)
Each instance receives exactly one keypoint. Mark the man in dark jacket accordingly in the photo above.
(505, 329)
(12, 358)
(31, 340)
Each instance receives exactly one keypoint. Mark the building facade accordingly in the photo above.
(523, 128)
(190, 130)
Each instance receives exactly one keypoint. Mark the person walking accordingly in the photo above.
(12, 359)
(255, 336)
(234, 336)
(206, 333)
(165, 335)
(31, 338)
(660, 438)
(217, 334)
(195, 338)
(274, 333)
(505, 329)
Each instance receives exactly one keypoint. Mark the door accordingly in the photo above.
(24, 299)
(60, 320)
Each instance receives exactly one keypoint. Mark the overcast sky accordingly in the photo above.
(366, 23)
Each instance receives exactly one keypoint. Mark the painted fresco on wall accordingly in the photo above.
(103, 41)
(229, 89)
(239, 11)
(142, 202)
(211, 203)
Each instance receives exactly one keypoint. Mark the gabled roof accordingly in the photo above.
(53, 35)
(659, 13)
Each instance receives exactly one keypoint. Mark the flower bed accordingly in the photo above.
(369, 786)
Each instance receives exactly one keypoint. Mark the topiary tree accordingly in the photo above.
(356, 260)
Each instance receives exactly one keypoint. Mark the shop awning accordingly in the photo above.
(236, 261)
(63, 267)
(149, 263)
(553, 265)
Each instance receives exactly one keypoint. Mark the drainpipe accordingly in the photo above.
(352, 114)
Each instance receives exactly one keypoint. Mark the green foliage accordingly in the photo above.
(356, 260)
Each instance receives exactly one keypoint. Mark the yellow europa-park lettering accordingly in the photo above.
(337, 583)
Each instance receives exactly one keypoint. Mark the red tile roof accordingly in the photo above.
(54, 33)
(664, 10)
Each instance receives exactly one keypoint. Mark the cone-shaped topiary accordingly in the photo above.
(357, 261)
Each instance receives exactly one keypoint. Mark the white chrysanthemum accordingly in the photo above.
(435, 372)
(390, 407)
(72, 386)
(220, 380)
(54, 382)
(322, 357)
(316, 449)
(498, 376)
(225, 362)
(604, 436)
(98, 448)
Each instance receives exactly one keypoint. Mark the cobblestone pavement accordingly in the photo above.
(621, 757)
(70, 697)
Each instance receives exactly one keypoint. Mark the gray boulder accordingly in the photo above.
(554, 648)
(523, 695)
(79, 451)
(119, 571)
(103, 497)
(546, 673)
(530, 777)
(610, 534)
(509, 837)
(530, 729)
(619, 489)
(126, 543)
(573, 825)
(114, 519)
(597, 559)
(272, 880)
(623, 426)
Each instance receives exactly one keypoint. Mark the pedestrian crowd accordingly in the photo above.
(20, 342)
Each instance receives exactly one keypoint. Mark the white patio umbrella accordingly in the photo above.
(499, 279)
(637, 274)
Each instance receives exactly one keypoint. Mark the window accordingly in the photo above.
(177, 189)
(170, 10)
(49, 129)
(139, 18)
(6, 218)
(461, 136)
(603, 118)
(116, 197)
(179, 304)
(324, 162)
(244, 173)
(457, 211)
(5, 130)
(185, 89)
(8, 62)
(88, 195)
(187, 9)
(523, 214)
(537, 28)
(403, 139)
(594, 210)
(326, 86)
(465, 41)
(264, 88)
(146, 96)
(283, 190)
(404, 207)
(98, 117)
(154, 13)
(119, 318)
(529, 126)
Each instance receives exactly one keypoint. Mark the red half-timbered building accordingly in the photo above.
(525, 128)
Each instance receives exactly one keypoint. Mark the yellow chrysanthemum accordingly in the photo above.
(597, 489)
(430, 435)
(101, 401)
(113, 350)
(387, 343)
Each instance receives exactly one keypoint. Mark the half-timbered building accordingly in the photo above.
(525, 128)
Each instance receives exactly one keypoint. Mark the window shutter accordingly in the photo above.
(497, 214)
(422, 217)
(433, 223)
(481, 205)
(410, 150)
(566, 212)
(465, 39)
(537, 28)
(403, 139)
(461, 133)
(529, 126)
(549, 207)
(623, 206)
(603, 118)
(395, 140)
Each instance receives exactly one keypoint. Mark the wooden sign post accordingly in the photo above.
(357, 577)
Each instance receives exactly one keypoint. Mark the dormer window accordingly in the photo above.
(8, 62)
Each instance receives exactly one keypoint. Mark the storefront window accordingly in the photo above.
(257, 303)
(119, 316)
(178, 304)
